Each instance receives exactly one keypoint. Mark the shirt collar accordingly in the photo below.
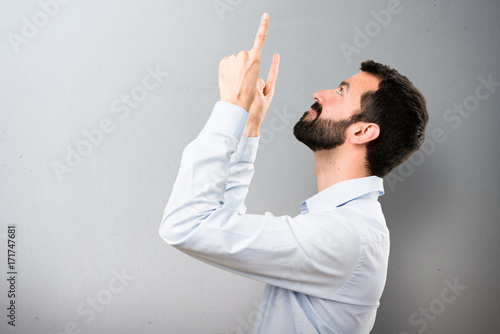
(343, 192)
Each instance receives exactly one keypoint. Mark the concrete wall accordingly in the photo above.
(98, 100)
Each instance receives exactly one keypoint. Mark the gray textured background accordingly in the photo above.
(100, 216)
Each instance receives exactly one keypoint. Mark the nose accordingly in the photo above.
(322, 95)
(316, 96)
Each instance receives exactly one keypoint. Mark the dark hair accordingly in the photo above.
(400, 111)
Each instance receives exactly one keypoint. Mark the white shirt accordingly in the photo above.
(325, 269)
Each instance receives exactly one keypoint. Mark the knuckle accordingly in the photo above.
(243, 53)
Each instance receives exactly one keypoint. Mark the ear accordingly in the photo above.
(364, 133)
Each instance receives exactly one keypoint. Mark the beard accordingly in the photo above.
(320, 134)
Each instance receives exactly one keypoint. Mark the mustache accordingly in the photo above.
(317, 107)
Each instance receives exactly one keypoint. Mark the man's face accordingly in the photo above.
(324, 126)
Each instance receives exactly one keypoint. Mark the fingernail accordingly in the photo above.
(265, 16)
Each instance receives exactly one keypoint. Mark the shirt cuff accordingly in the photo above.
(247, 149)
(228, 118)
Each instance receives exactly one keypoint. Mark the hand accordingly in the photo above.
(238, 74)
(262, 100)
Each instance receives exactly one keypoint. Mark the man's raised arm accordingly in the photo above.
(208, 178)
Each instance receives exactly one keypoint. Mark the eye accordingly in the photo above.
(340, 90)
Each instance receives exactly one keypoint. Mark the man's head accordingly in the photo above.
(378, 107)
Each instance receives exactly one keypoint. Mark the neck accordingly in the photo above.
(339, 164)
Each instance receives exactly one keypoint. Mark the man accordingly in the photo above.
(326, 268)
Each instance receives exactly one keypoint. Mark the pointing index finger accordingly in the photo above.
(260, 38)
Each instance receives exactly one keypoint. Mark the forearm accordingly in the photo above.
(241, 173)
(203, 176)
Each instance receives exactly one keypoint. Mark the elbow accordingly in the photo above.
(174, 230)
(167, 233)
